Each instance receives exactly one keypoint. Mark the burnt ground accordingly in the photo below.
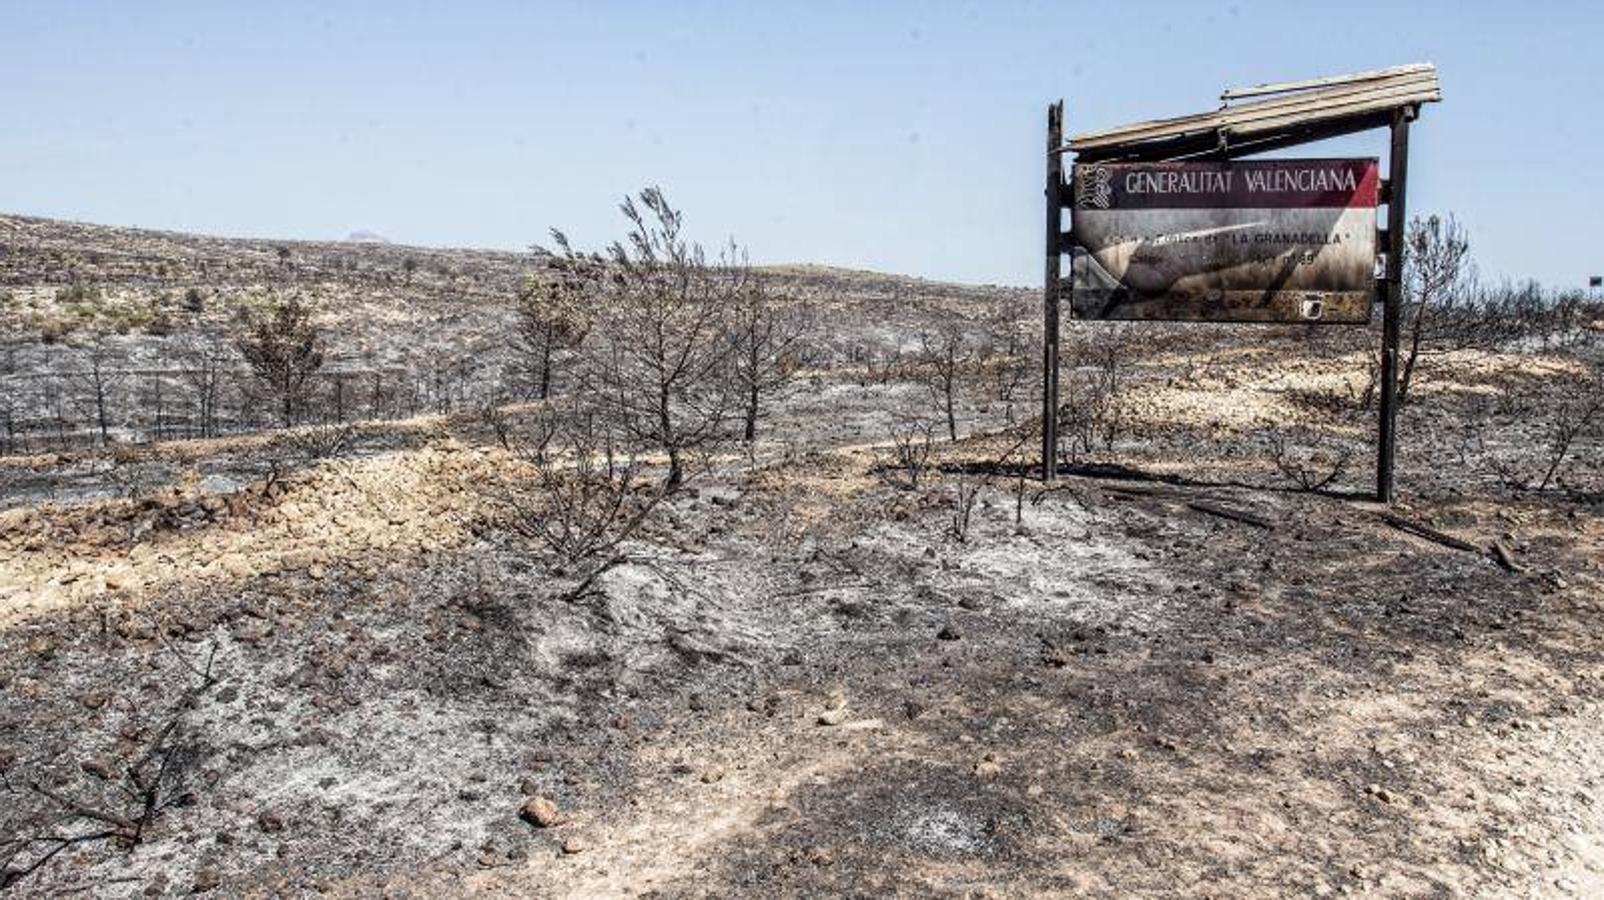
(1171, 673)
(1122, 694)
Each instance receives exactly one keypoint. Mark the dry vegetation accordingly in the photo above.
(361, 569)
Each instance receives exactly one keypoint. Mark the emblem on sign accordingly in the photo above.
(1093, 187)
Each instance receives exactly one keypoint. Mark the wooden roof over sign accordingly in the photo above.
(1274, 116)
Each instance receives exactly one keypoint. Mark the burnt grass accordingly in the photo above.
(392, 723)
(1123, 693)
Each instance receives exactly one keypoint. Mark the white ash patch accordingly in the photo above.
(1068, 561)
(940, 830)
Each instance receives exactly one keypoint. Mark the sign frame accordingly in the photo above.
(1390, 242)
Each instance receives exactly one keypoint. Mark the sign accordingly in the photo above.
(1286, 240)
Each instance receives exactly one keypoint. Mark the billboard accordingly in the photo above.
(1284, 240)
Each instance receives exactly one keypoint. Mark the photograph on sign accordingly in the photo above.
(1286, 240)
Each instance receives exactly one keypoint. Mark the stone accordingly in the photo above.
(270, 822)
(819, 856)
(833, 716)
(713, 775)
(948, 632)
(988, 767)
(97, 767)
(207, 878)
(572, 845)
(540, 812)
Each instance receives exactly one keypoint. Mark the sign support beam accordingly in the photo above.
(1051, 292)
(1392, 312)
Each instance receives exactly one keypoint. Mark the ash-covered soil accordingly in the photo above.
(1169, 672)
(802, 683)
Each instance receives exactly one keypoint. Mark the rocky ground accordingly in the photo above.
(1170, 672)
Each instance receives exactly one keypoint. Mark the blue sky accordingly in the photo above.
(898, 136)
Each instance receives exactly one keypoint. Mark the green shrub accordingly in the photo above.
(79, 294)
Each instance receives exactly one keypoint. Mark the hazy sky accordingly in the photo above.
(895, 136)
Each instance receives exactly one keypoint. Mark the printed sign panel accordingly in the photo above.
(1285, 240)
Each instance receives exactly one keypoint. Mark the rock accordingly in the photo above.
(948, 632)
(207, 878)
(228, 694)
(540, 812)
(792, 657)
(270, 822)
(836, 699)
(97, 767)
(833, 716)
(713, 775)
(572, 845)
(819, 856)
(988, 767)
(864, 725)
(528, 787)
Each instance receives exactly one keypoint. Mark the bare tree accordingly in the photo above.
(1093, 411)
(943, 354)
(1435, 268)
(1009, 357)
(1574, 421)
(591, 497)
(284, 350)
(661, 366)
(204, 362)
(95, 381)
(49, 819)
(767, 333)
(966, 491)
(912, 440)
(552, 314)
(1309, 470)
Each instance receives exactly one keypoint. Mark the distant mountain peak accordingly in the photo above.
(366, 237)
